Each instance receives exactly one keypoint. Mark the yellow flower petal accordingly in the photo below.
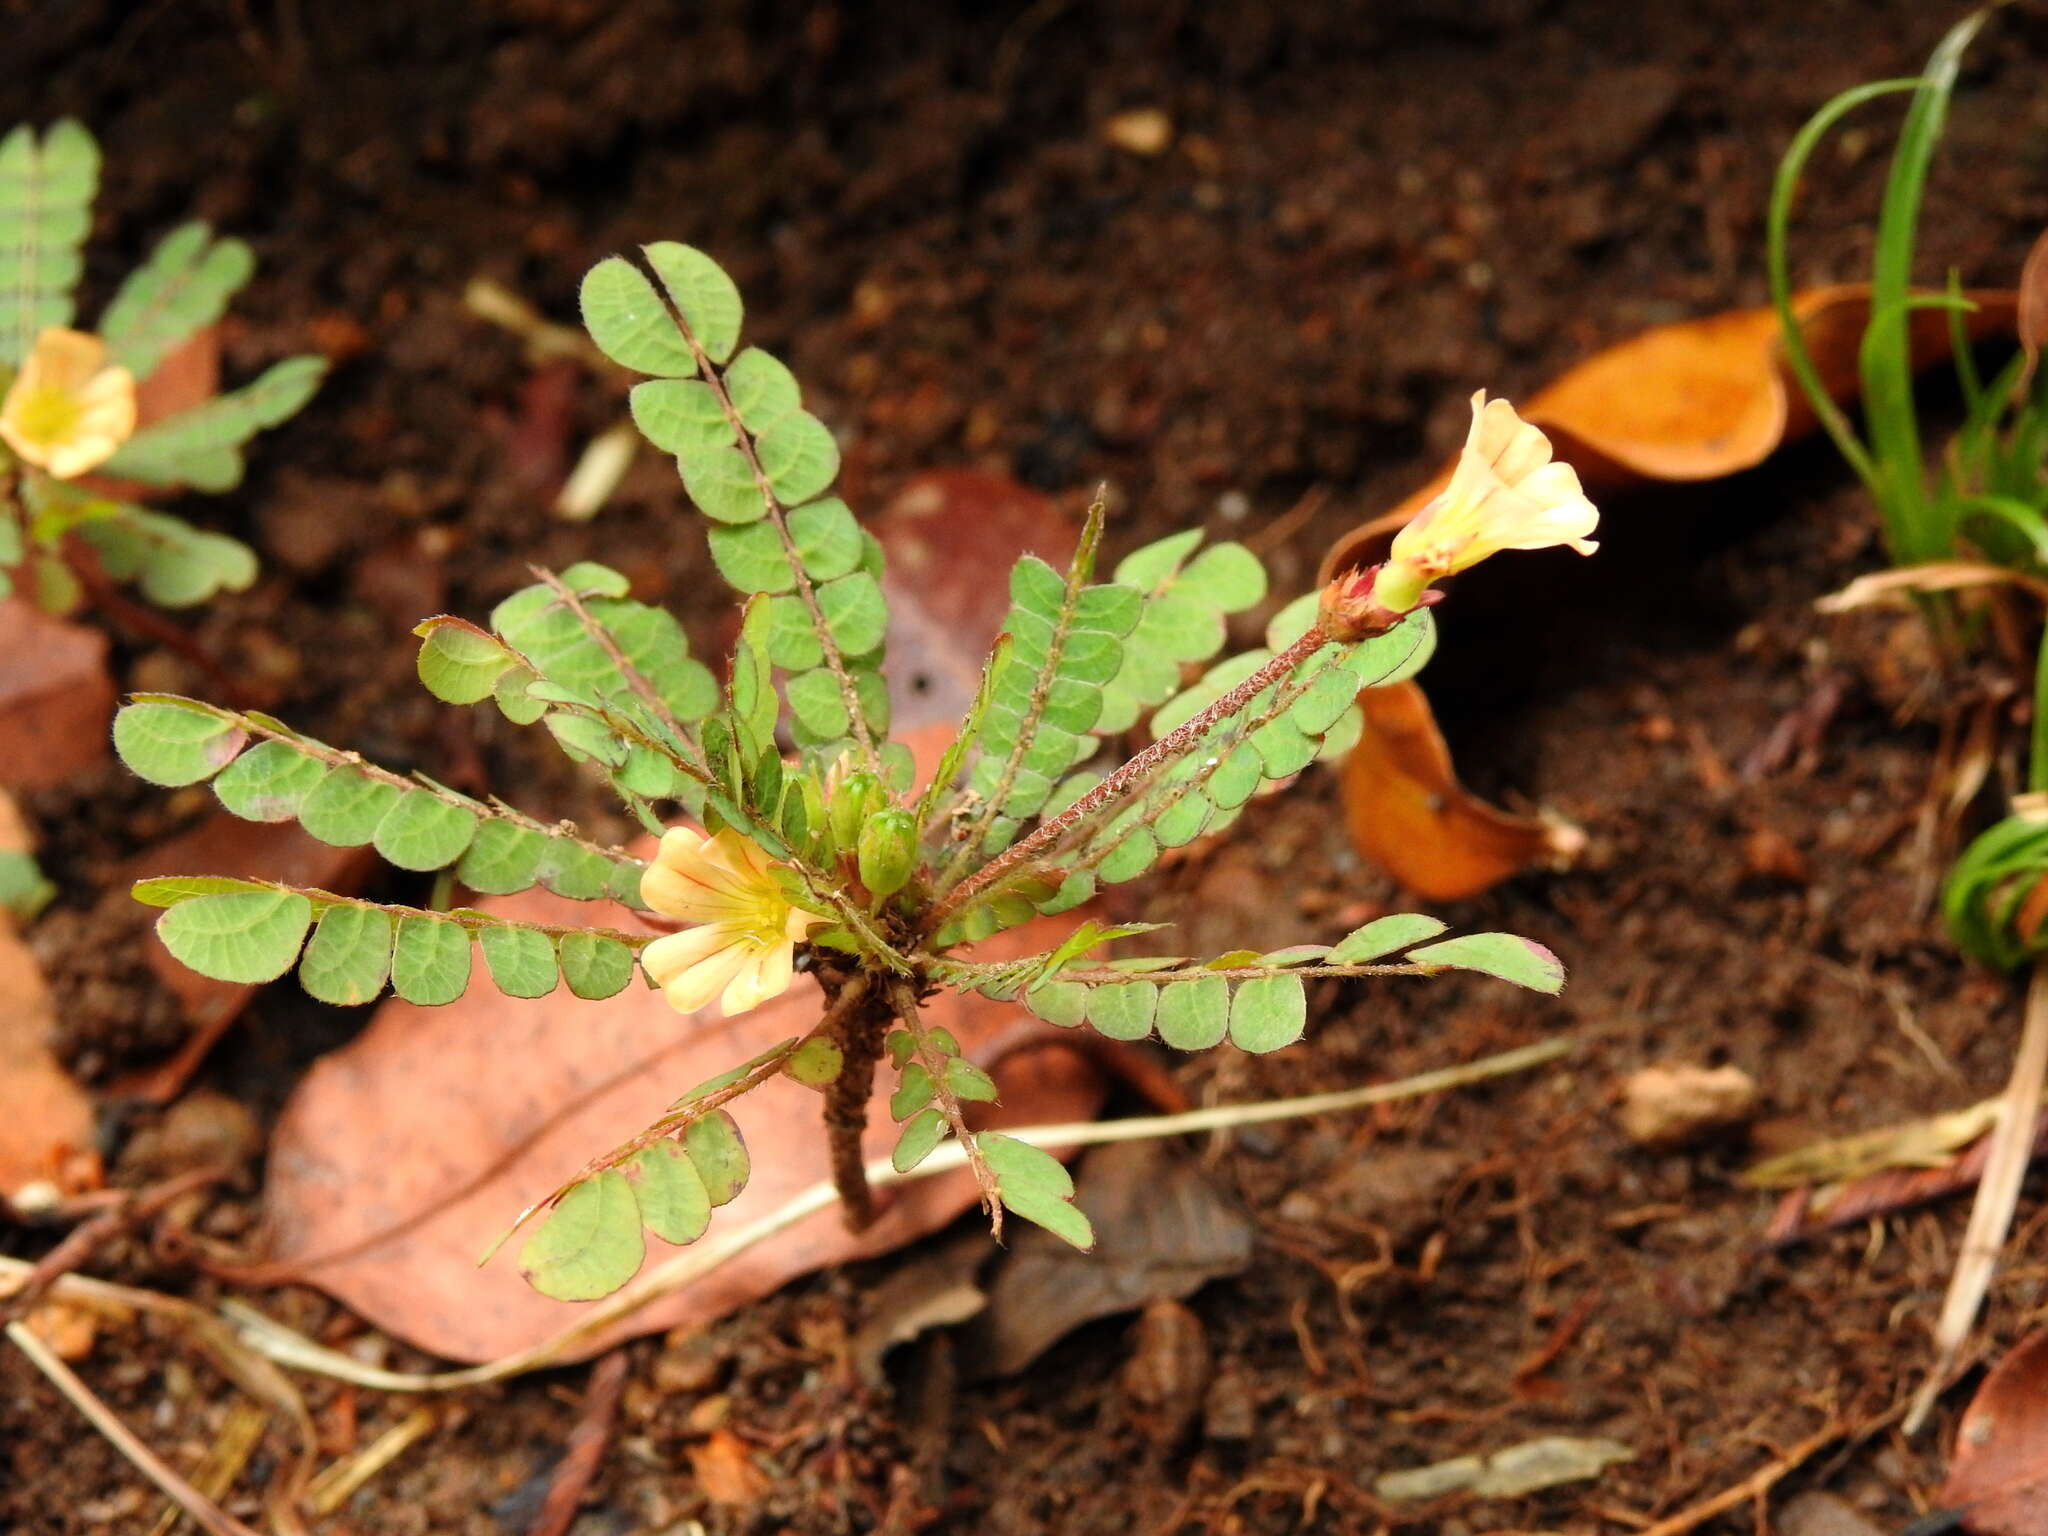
(68, 409)
(744, 944)
(1505, 493)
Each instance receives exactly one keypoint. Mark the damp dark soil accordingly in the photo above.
(1267, 328)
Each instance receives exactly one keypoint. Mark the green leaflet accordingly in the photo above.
(1033, 1184)
(589, 1244)
(175, 564)
(762, 389)
(630, 324)
(202, 447)
(594, 965)
(1123, 1010)
(798, 456)
(46, 193)
(521, 960)
(239, 935)
(702, 293)
(349, 957)
(921, 1135)
(1384, 935)
(423, 831)
(345, 807)
(1194, 1015)
(720, 1153)
(430, 964)
(1521, 961)
(459, 663)
(1185, 604)
(674, 1204)
(1267, 1012)
(174, 744)
(183, 287)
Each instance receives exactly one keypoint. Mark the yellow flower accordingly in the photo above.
(745, 940)
(1506, 493)
(69, 408)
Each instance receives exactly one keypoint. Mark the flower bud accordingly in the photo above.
(888, 851)
(854, 799)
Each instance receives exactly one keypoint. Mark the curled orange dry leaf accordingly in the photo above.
(1697, 400)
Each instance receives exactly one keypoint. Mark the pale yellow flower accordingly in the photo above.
(1505, 493)
(742, 950)
(68, 409)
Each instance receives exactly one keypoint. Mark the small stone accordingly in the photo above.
(1667, 1106)
(1815, 1513)
(1228, 1409)
(1168, 1371)
(1143, 131)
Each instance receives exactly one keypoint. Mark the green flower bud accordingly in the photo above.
(888, 851)
(854, 799)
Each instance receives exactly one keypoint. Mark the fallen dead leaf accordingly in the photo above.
(56, 699)
(1698, 400)
(2032, 322)
(952, 536)
(1998, 1472)
(1408, 813)
(46, 1136)
(1899, 584)
(1163, 1230)
(225, 845)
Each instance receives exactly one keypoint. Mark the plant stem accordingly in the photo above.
(860, 1021)
(1125, 780)
(2005, 1168)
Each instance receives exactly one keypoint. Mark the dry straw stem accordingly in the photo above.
(289, 1348)
(1998, 1196)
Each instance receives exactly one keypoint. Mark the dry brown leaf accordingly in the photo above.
(404, 1154)
(1408, 813)
(245, 850)
(1163, 1230)
(1998, 1472)
(1901, 582)
(952, 536)
(1693, 401)
(56, 699)
(2032, 323)
(46, 1134)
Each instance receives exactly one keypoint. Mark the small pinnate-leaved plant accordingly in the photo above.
(68, 397)
(818, 851)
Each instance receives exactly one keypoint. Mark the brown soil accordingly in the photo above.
(1367, 211)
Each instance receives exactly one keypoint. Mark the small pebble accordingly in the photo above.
(1667, 1106)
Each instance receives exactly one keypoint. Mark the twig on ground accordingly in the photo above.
(208, 1514)
(1998, 1196)
(587, 1441)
